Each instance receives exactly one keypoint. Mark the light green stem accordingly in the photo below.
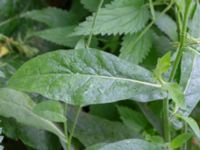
(180, 49)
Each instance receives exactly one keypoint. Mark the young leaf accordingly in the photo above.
(86, 76)
(193, 125)
(53, 17)
(92, 5)
(20, 107)
(50, 110)
(163, 65)
(180, 140)
(60, 35)
(121, 16)
(92, 129)
(132, 119)
(167, 25)
(130, 144)
(135, 51)
(176, 94)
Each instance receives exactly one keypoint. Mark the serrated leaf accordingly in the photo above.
(167, 25)
(86, 76)
(121, 16)
(130, 144)
(132, 119)
(51, 16)
(176, 94)
(180, 140)
(50, 110)
(92, 5)
(60, 36)
(193, 125)
(20, 107)
(135, 51)
(105, 130)
(163, 65)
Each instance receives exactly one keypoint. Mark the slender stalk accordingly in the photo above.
(93, 23)
(87, 45)
(65, 124)
(152, 9)
(180, 49)
(73, 128)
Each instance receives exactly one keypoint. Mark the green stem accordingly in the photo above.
(73, 128)
(180, 49)
(152, 9)
(93, 23)
(65, 124)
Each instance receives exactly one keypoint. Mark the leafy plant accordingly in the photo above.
(125, 76)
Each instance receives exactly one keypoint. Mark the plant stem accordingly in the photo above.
(93, 23)
(73, 128)
(152, 9)
(180, 49)
(65, 124)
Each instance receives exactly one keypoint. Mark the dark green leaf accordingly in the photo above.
(86, 76)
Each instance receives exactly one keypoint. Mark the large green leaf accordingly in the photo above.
(135, 51)
(86, 76)
(19, 106)
(190, 72)
(130, 144)
(92, 129)
(35, 138)
(60, 35)
(121, 16)
(53, 17)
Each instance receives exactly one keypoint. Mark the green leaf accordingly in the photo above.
(132, 119)
(35, 138)
(19, 106)
(53, 17)
(135, 51)
(51, 110)
(167, 25)
(92, 129)
(163, 65)
(130, 144)
(2, 75)
(92, 5)
(190, 72)
(176, 94)
(180, 140)
(60, 36)
(193, 125)
(86, 76)
(119, 17)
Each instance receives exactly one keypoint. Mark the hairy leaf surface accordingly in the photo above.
(86, 76)
(20, 107)
(121, 16)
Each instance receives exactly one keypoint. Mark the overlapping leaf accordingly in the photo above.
(121, 16)
(19, 106)
(130, 144)
(86, 76)
(135, 51)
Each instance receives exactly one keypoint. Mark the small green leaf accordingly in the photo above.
(135, 51)
(193, 125)
(50, 110)
(163, 65)
(180, 140)
(176, 94)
